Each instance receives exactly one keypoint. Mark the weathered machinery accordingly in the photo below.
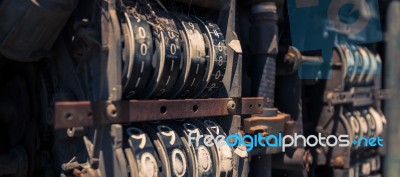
(119, 87)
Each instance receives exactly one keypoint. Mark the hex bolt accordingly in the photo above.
(111, 111)
(231, 106)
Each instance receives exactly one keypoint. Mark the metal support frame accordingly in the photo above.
(101, 115)
(332, 120)
(392, 72)
(85, 113)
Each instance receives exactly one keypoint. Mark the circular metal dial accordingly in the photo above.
(195, 59)
(139, 61)
(216, 66)
(167, 57)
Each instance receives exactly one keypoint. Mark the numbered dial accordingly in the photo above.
(371, 123)
(355, 126)
(138, 63)
(378, 121)
(171, 55)
(348, 60)
(364, 74)
(375, 66)
(358, 62)
(216, 67)
(201, 155)
(364, 128)
(194, 57)
(145, 160)
(221, 151)
(172, 147)
(167, 57)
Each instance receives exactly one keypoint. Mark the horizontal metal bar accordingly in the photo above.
(252, 105)
(167, 109)
(73, 113)
(383, 94)
(85, 113)
(356, 96)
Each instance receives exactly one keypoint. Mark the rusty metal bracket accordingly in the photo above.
(271, 125)
(280, 123)
(85, 113)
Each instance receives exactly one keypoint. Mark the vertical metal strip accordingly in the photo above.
(392, 106)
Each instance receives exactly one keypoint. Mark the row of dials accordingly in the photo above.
(171, 55)
(177, 148)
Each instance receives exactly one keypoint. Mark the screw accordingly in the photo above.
(111, 111)
(231, 105)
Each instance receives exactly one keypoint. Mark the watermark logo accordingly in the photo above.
(282, 141)
(368, 142)
(318, 25)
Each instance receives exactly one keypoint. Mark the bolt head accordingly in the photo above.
(111, 111)
(231, 105)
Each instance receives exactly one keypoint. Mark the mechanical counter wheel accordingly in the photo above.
(142, 156)
(166, 149)
(170, 148)
(170, 55)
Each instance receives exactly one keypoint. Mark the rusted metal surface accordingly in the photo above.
(266, 126)
(273, 125)
(73, 113)
(81, 114)
(251, 105)
(166, 109)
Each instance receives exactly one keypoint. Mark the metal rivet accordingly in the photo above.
(111, 111)
(231, 105)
